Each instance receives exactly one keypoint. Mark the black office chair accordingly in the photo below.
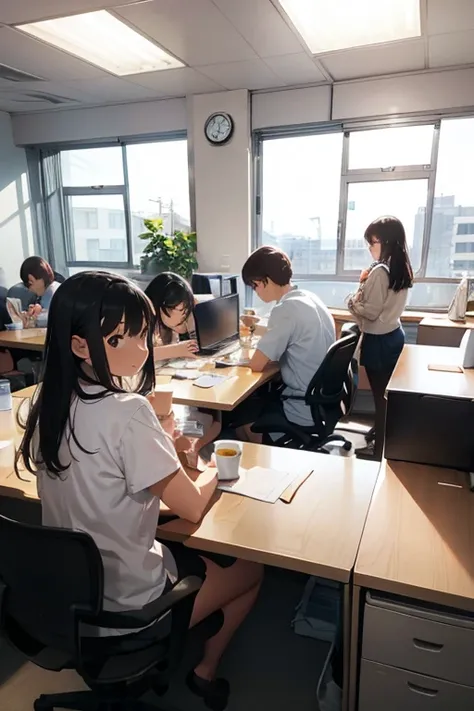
(51, 581)
(4, 315)
(59, 278)
(330, 395)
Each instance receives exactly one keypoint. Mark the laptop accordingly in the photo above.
(217, 324)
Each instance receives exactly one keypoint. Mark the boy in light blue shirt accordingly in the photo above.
(300, 328)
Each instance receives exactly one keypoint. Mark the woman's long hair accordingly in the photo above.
(166, 292)
(394, 251)
(90, 305)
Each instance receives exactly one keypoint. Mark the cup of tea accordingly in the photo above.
(228, 455)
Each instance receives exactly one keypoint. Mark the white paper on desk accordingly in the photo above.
(260, 483)
(207, 381)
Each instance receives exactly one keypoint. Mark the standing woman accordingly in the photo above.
(378, 304)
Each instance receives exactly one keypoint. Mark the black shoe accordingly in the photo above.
(215, 693)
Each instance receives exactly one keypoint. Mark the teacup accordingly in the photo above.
(228, 455)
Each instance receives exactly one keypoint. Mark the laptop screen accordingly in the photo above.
(217, 320)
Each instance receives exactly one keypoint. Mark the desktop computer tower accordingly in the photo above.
(427, 429)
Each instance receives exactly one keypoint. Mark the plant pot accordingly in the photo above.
(152, 267)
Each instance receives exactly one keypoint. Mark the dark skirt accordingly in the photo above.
(382, 352)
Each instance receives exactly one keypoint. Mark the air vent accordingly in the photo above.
(16, 75)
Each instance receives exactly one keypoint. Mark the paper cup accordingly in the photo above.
(228, 466)
(163, 400)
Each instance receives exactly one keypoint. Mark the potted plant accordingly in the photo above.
(168, 253)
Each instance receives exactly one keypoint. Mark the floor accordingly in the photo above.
(268, 665)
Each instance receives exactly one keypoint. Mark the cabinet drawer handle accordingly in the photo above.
(427, 646)
(422, 689)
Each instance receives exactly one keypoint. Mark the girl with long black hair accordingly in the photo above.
(104, 464)
(173, 301)
(378, 305)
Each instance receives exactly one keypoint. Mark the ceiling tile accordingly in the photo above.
(111, 89)
(177, 82)
(30, 55)
(295, 69)
(449, 16)
(253, 74)
(195, 31)
(262, 26)
(14, 12)
(451, 49)
(375, 61)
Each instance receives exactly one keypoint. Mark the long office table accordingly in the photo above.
(226, 396)
(318, 533)
(442, 332)
(239, 384)
(29, 339)
(418, 543)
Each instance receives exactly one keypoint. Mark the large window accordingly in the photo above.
(107, 193)
(317, 193)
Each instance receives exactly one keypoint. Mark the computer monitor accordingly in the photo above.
(217, 321)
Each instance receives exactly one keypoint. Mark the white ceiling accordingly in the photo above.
(226, 44)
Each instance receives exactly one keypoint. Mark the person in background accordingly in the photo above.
(38, 276)
(300, 331)
(173, 301)
(377, 305)
(104, 464)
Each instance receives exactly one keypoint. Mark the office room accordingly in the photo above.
(249, 222)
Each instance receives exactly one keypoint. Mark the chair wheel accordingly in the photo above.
(347, 446)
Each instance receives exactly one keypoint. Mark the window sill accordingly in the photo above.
(407, 316)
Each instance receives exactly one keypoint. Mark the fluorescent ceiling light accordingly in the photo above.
(329, 25)
(101, 39)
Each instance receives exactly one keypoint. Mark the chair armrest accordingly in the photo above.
(3, 590)
(135, 619)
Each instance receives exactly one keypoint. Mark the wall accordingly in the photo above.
(16, 234)
(222, 182)
(100, 122)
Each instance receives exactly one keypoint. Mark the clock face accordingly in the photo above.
(219, 128)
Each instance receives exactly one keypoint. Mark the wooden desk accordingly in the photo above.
(317, 533)
(29, 339)
(418, 542)
(225, 396)
(411, 374)
(10, 437)
(442, 331)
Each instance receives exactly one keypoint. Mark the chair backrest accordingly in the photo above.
(19, 291)
(328, 392)
(4, 315)
(59, 277)
(50, 576)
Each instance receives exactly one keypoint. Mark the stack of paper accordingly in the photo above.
(261, 483)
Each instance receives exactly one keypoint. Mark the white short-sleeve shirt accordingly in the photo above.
(300, 331)
(105, 493)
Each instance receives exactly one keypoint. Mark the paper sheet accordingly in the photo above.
(260, 483)
(207, 381)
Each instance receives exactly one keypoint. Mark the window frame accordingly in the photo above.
(425, 171)
(119, 189)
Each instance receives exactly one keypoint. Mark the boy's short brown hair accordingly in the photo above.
(267, 263)
(38, 268)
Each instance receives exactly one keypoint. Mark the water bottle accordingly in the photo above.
(5, 395)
